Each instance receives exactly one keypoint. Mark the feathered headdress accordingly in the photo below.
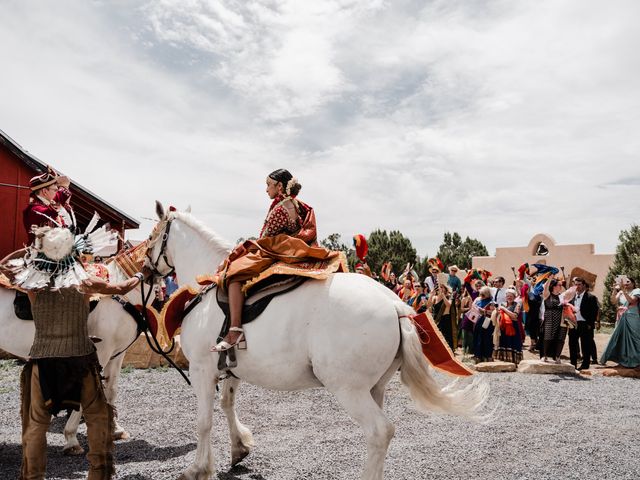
(435, 263)
(53, 261)
(361, 246)
(523, 270)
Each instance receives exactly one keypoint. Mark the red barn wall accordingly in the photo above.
(12, 201)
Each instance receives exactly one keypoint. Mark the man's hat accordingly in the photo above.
(44, 180)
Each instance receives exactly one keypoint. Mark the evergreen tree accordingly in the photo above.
(455, 251)
(626, 262)
(391, 247)
(334, 242)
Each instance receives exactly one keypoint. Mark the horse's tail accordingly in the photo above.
(415, 374)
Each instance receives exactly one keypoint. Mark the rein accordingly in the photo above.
(155, 346)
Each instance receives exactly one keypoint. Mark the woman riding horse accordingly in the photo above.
(288, 235)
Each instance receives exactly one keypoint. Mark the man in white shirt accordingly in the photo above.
(586, 314)
(498, 291)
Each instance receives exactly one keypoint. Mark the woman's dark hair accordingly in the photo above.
(553, 282)
(284, 176)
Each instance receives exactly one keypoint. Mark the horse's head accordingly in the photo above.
(158, 258)
(181, 241)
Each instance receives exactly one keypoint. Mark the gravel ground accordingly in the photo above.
(549, 427)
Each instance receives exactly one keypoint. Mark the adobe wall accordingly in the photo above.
(567, 256)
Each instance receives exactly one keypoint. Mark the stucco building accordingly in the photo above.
(543, 249)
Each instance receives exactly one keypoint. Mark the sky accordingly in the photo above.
(497, 119)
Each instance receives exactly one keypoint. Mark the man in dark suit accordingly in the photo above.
(587, 309)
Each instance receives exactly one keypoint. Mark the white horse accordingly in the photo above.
(108, 321)
(347, 334)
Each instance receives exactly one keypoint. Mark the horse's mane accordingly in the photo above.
(215, 241)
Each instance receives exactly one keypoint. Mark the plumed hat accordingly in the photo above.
(44, 180)
(361, 246)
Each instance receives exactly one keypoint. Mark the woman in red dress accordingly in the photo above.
(288, 235)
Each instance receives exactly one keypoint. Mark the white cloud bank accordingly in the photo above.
(495, 119)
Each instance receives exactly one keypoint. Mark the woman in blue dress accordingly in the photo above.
(483, 330)
(624, 344)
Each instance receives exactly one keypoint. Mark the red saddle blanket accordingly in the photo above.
(435, 347)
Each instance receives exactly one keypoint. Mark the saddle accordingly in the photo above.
(183, 301)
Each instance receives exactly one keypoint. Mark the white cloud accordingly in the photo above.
(495, 119)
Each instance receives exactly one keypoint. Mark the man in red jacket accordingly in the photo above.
(49, 195)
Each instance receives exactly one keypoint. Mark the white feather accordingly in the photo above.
(93, 223)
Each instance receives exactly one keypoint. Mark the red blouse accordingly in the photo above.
(278, 219)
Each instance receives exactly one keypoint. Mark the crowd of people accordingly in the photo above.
(488, 319)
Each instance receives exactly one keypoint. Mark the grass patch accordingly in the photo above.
(127, 369)
(6, 365)
(7, 370)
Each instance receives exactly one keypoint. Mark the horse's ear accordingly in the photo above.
(160, 210)
(188, 209)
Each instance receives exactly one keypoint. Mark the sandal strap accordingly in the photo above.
(222, 346)
(236, 329)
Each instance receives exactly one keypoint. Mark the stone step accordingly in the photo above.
(538, 366)
(495, 367)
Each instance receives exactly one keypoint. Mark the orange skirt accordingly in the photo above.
(255, 256)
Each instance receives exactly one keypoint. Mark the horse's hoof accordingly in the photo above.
(121, 435)
(236, 458)
(75, 450)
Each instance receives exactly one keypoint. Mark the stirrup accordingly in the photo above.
(223, 346)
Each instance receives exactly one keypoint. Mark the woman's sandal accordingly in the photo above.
(223, 346)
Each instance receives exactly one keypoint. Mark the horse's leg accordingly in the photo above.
(203, 381)
(72, 446)
(377, 392)
(378, 431)
(241, 436)
(111, 373)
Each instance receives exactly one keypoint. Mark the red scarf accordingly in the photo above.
(506, 324)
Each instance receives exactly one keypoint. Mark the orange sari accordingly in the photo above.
(294, 254)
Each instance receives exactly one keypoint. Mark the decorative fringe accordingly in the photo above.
(337, 264)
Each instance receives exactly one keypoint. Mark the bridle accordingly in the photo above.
(162, 254)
